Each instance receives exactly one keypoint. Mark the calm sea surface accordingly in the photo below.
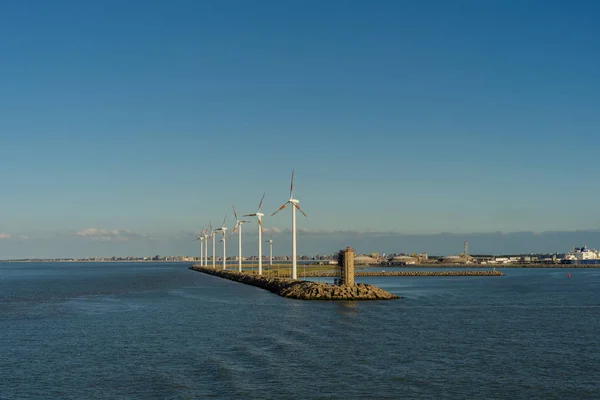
(161, 331)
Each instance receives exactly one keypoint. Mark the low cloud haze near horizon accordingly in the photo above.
(128, 127)
(93, 242)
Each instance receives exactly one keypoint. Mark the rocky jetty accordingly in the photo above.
(302, 290)
(324, 274)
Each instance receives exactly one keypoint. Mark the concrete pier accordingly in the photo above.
(302, 290)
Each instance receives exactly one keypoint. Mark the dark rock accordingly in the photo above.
(303, 290)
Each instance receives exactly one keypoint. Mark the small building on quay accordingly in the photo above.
(403, 260)
(366, 260)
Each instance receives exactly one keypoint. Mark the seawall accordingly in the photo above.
(405, 273)
(302, 290)
(484, 266)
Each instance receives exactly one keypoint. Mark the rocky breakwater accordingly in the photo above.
(303, 290)
(408, 273)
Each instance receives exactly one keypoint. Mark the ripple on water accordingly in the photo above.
(103, 304)
(111, 333)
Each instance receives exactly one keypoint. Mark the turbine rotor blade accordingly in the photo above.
(298, 207)
(249, 215)
(234, 213)
(261, 200)
(292, 185)
(281, 208)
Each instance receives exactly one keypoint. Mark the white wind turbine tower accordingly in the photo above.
(259, 216)
(294, 202)
(201, 239)
(238, 224)
(214, 254)
(270, 252)
(206, 237)
(223, 230)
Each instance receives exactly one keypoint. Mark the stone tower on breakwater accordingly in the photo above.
(346, 263)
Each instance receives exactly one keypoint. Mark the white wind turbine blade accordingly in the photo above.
(259, 206)
(281, 208)
(299, 209)
(292, 186)
(261, 201)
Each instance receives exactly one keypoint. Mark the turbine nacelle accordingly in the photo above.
(258, 214)
(222, 230)
(238, 224)
(294, 202)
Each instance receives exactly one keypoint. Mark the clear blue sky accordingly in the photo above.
(151, 118)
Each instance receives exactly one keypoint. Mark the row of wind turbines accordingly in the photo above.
(209, 233)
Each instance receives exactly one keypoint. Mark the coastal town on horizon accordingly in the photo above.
(363, 259)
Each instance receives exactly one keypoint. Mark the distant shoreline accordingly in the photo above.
(233, 263)
(96, 261)
(489, 266)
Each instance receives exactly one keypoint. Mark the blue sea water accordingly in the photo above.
(161, 331)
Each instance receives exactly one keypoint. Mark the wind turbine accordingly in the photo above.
(214, 254)
(259, 216)
(295, 205)
(200, 238)
(223, 230)
(206, 237)
(270, 241)
(238, 224)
